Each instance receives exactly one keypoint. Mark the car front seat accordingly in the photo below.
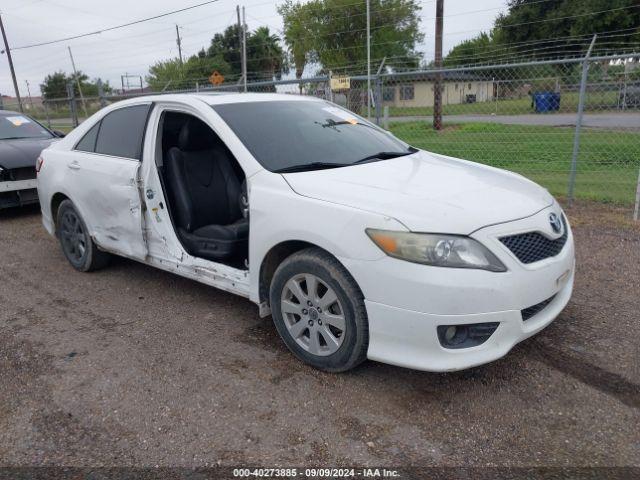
(205, 195)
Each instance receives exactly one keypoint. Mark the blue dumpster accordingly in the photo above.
(546, 101)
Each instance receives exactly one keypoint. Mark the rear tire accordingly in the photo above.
(77, 246)
(318, 310)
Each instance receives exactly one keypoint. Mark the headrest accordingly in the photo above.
(195, 135)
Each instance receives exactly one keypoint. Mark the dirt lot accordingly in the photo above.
(133, 366)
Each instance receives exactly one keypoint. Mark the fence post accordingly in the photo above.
(385, 118)
(72, 105)
(378, 99)
(636, 211)
(576, 136)
(103, 102)
(46, 112)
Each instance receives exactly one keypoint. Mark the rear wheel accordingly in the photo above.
(77, 245)
(319, 311)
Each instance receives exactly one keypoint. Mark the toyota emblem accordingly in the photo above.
(555, 222)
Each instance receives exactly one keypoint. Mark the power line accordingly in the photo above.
(135, 22)
(550, 19)
(508, 50)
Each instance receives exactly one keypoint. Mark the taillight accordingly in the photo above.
(39, 163)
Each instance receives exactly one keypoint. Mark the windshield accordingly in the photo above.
(19, 126)
(283, 135)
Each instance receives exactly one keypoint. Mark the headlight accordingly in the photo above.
(437, 250)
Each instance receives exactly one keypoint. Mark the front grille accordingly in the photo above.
(529, 312)
(23, 173)
(532, 247)
(20, 197)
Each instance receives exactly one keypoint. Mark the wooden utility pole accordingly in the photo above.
(241, 43)
(179, 42)
(13, 72)
(75, 74)
(368, 61)
(437, 84)
(244, 49)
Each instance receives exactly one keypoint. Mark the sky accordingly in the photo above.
(133, 49)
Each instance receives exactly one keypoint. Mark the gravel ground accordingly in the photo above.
(134, 366)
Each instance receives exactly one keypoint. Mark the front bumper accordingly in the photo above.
(406, 302)
(408, 339)
(18, 193)
(13, 186)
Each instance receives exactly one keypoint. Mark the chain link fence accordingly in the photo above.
(531, 119)
(575, 133)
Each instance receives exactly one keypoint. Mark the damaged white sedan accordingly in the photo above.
(359, 245)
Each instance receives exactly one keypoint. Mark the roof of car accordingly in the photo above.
(217, 98)
(252, 97)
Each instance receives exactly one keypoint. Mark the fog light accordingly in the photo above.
(465, 336)
(450, 332)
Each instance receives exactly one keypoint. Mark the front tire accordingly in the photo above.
(77, 245)
(318, 310)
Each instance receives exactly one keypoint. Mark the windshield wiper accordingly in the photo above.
(386, 155)
(310, 166)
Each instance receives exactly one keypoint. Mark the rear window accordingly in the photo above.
(121, 132)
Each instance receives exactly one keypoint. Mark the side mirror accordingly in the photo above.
(59, 134)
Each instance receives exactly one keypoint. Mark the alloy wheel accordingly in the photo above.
(73, 236)
(313, 314)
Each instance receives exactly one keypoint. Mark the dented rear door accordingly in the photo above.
(110, 202)
(106, 181)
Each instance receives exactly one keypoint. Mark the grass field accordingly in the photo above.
(607, 165)
(61, 128)
(595, 101)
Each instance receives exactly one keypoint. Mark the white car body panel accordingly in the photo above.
(331, 209)
(418, 191)
(116, 203)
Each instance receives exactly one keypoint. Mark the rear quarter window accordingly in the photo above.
(88, 142)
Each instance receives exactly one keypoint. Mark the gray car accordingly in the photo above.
(21, 141)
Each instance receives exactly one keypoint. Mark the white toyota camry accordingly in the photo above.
(359, 245)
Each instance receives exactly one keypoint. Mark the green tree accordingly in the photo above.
(551, 29)
(265, 58)
(333, 33)
(265, 61)
(528, 20)
(171, 74)
(472, 50)
(226, 45)
(296, 36)
(55, 85)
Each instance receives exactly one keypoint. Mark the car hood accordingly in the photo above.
(427, 192)
(22, 152)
